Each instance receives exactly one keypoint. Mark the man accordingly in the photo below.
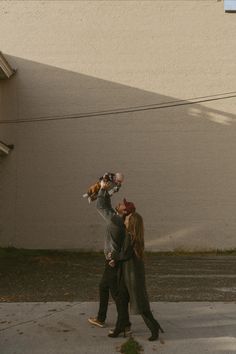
(114, 238)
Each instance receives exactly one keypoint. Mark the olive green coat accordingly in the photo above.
(133, 272)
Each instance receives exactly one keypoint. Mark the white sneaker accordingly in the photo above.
(96, 322)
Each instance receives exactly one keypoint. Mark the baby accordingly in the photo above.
(114, 183)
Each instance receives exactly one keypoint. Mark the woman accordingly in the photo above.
(132, 286)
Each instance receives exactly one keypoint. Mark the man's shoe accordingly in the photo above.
(96, 322)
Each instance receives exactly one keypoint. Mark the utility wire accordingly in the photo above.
(143, 108)
(134, 108)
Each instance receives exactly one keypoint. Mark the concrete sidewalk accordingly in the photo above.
(62, 328)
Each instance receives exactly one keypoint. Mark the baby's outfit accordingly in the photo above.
(114, 183)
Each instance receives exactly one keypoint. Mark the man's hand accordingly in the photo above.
(104, 185)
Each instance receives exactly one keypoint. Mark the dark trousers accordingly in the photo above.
(122, 304)
(108, 283)
(150, 321)
(122, 309)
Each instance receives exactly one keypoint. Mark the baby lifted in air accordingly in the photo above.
(114, 181)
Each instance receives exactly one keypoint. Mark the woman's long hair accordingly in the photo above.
(136, 230)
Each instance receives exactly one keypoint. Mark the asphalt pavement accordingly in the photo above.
(193, 298)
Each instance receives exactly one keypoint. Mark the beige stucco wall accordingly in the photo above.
(179, 163)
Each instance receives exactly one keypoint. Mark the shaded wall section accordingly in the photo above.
(179, 163)
(8, 163)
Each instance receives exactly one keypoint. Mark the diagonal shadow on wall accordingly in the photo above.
(178, 162)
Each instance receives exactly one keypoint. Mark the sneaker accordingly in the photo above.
(96, 322)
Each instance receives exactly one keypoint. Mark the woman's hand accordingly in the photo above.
(126, 222)
(112, 263)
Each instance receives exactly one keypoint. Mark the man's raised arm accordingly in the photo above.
(104, 206)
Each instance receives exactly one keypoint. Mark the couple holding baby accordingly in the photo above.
(124, 274)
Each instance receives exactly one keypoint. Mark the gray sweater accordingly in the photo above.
(115, 228)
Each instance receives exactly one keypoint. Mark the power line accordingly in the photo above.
(126, 110)
(75, 115)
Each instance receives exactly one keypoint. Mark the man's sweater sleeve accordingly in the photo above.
(104, 205)
(114, 246)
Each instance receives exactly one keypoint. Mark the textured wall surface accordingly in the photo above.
(74, 58)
